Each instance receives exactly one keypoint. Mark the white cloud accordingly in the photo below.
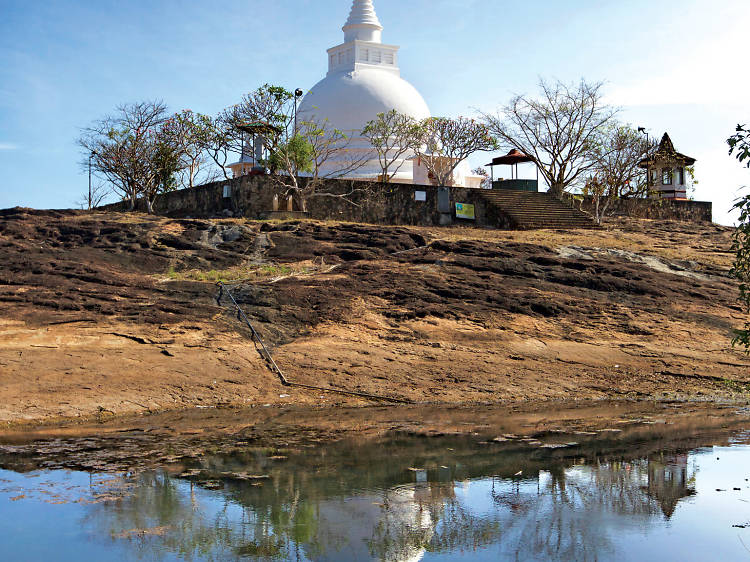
(8, 146)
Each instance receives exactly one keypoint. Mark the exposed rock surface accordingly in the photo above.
(115, 313)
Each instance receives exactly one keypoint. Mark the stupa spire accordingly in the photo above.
(363, 23)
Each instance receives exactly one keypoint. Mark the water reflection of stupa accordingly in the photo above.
(393, 526)
(669, 481)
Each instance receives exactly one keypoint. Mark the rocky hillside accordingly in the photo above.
(111, 313)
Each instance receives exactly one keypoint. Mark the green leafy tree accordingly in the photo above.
(302, 153)
(166, 163)
(271, 108)
(739, 146)
(296, 154)
(268, 105)
(316, 154)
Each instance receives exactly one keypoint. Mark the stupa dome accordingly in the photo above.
(349, 100)
(363, 78)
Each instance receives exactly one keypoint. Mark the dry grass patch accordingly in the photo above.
(246, 273)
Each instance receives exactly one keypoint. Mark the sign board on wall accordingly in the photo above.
(420, 196)
(444, 200)
(464, 211)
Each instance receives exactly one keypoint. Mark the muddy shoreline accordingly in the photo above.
(180, 439)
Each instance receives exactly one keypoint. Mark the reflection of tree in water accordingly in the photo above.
(566, 523)
(396, 524)
(193, 528)
(462, 530)
(322, 513)
(569, 515)
(154, 501)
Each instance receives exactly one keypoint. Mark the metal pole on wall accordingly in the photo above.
(648, 170)
(297, 94)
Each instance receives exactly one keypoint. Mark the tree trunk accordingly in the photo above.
(149, 205)
(597, 218)
(445, 179)
(193, 173)
(556, 190)
(607, 203)
(132, 201)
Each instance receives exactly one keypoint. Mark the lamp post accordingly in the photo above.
(648, 171)
(297, 94)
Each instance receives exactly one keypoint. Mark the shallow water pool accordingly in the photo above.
(564, 496)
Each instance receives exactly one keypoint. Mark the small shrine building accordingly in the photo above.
(667, 173)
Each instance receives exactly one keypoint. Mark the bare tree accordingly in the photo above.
(616, 154)
(558, 129)
(448, 142)
(601, 195)
(333, 156)
(393, 135)
(94, 198)
(189, 133)
(129, 150)
(220, 143)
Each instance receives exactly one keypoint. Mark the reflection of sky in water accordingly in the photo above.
(46, 524)
(664, 507)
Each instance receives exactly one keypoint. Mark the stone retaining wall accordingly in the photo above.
(664, 209)
(253, 197)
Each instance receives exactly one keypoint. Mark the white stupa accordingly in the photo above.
(363, 80)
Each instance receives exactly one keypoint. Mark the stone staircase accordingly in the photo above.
(528, 210)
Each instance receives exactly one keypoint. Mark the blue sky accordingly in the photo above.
(672, 65)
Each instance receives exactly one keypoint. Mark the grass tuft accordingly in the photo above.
(237, 273)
